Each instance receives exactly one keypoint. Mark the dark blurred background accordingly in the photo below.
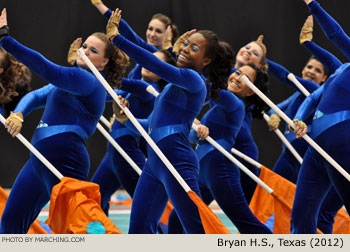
(49, 26)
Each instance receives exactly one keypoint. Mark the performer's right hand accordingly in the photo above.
(72, 53)
(112, 29)
(306, 30)
(118, 112)
(274, 122)
(181, 40)
(13, 123)
(300, 128)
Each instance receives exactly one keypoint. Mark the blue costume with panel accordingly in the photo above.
(169, 126)
(219, 178)
(329, 129)
(74, 101)
(287, 165)
(114, 171)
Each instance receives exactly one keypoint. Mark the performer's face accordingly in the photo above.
(155, 33)
(192, 53)
(148, 75)
(94, 49)
(238, 87)
(250, 53)
(314, 71)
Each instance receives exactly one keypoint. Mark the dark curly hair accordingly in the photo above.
(222, 59)
(254, 103)
(118, 61)
(14, 80)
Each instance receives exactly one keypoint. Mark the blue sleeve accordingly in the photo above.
(135, 73)
(130, 34)
(309, 105)
(185, 78)
(193, 137)
(136, 87)
(33, 100)
(330, 62)
(228, 101)
(331, 28)
(74, 80)
(282, 105)
(281, 73)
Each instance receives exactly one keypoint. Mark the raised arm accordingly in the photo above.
(33, 100)
(185, 78)
(66, 78)
(330, 62)
(124, 27)
(281, 73)
(330, 27)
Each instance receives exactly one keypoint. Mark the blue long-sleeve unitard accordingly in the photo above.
(287, 165)
(245, 143)
(74, 101)
(329, 129)
(219, 178)
(114, 171)
(169, 126)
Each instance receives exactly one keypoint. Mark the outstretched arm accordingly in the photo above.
(330, 27)
(66, 78)
(124, 27)
(281, 73)
(329, 61)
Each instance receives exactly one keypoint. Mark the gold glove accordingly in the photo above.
(306, 30)
(14, 123)
(274, 121)
(167, 39)
(96, 1)
(118, 112)
(113, 24)
(72, 53)
(299, 123)
(181, 40)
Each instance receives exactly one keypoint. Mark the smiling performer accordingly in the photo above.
(254, 52)
(114, 171)
(219, 178)
(74, 101)
(169, 126)
(155, 33)
(329, 129)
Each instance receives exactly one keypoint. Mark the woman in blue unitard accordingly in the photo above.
(219, 178)
(314, 74)
(155, 33)
(74, 101)
(329, 129)
(114, 171)
(253, 52)
(169, 126)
